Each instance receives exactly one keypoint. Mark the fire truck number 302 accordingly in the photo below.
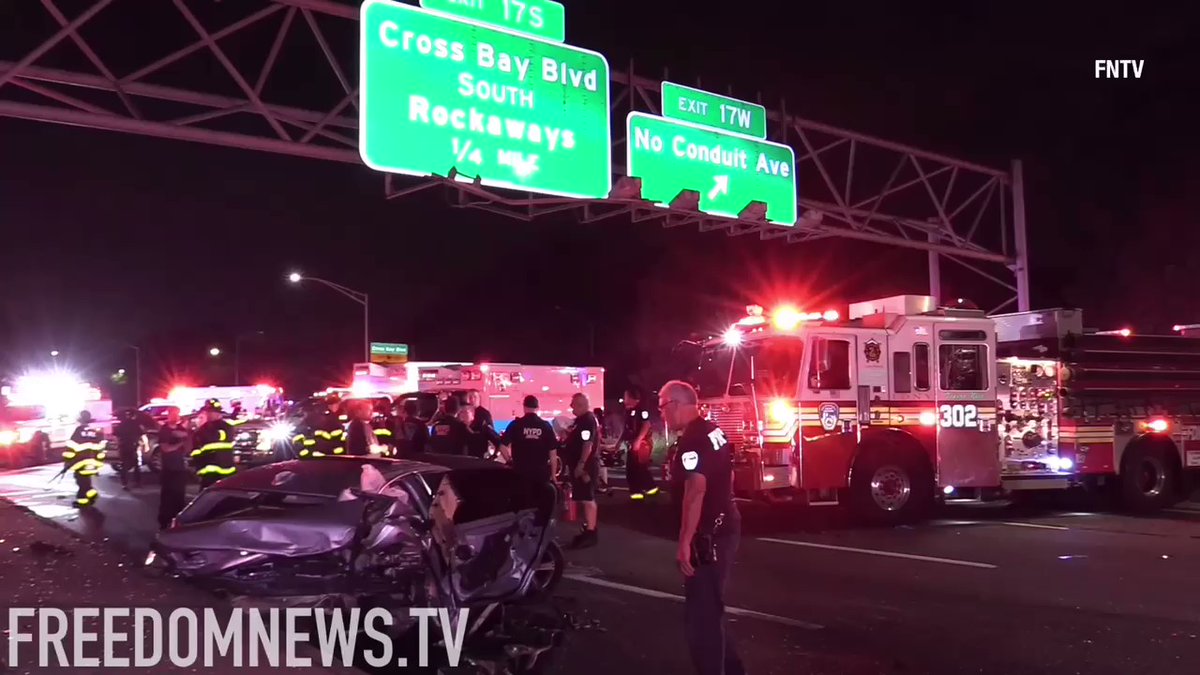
(960, 416)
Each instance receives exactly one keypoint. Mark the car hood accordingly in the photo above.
(310, 531)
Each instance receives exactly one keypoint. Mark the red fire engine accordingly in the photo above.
(906, 403)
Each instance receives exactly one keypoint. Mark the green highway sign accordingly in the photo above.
(540, 18)
(511, 111)
(388, 353)
(720, 112)
(729, 171)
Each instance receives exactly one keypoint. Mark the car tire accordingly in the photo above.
(1149, 478)
(890, 485)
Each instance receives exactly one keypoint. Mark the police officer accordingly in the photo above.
(174, 445)
(639, 446)
(129, 436)
(448, 434)
(213, 455)
(411, 436)
(529, 442)
(83, 458)
(709, 527)
(482, 426)
(582, 457)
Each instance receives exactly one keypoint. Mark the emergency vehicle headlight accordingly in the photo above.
(1065, 464)
(733, 337)
(779, 410)
(279, 432)
(8, 437)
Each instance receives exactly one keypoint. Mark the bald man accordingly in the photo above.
(709, 527)
(580, 454)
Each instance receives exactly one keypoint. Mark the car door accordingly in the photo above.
(489, 527)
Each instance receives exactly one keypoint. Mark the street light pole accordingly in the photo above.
(357, 296)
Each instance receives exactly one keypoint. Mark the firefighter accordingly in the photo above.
(213, 455)
(175, 445)
(305, 440)
(529, 442)
(637, 438)
(448, 434)
(331, 430)
(709, 527)
(129, 436)
(412, 436)
(83, 458)
(383, 425)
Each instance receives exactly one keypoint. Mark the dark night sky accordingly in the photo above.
(112, 239)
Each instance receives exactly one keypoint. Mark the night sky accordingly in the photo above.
(110, 240)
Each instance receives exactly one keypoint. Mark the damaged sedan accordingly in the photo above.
(450, 532)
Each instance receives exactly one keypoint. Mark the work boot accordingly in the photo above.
(585, 539)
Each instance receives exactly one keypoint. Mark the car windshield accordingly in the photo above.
(776, 364)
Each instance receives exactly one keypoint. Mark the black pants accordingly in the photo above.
(129, 462)
(173, 496)
(85, 494)
(637, 471)
(712, 651)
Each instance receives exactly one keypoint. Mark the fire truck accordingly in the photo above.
(503, 386)
(906, 403)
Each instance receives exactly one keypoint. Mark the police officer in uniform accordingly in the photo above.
(175, 445)
(129, 435)
(411, 436)
(529, 442)
(709, 527)
(639, 446)
(582, 457)
(83, 458)
(213, 455)
(448, 434)
(482, 426)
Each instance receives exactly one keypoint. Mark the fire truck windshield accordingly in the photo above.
(776, 369)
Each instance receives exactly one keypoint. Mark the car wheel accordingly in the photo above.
(548, 572)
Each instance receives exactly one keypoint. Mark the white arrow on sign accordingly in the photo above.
(721, 188)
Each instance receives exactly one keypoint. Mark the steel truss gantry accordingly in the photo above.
(852, 185)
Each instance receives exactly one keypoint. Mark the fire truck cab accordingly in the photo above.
(885, 410)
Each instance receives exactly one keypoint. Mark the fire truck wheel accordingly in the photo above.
(1149, 479)
(890, 486)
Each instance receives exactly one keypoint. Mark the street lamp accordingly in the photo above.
(54, 353)
(214, 351)
(357, 296)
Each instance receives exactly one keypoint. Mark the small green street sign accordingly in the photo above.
(511, 111)
(720, 112)
(539, 18)
(388, 353)
(729, 171)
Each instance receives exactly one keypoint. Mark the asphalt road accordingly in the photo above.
(981, 589)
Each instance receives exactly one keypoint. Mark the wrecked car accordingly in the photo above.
(369, 532)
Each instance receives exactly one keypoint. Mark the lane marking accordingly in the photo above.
(1035, 526)
(1188, 512)
(886, 554)
(735, 611)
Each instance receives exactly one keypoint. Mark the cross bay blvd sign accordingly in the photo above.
(513, 111)
(728, 170)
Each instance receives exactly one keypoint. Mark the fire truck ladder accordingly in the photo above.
(279, 76)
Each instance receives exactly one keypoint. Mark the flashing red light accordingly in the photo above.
(1158, 426)
(786, 317)
(928, 418)
(831, 315)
